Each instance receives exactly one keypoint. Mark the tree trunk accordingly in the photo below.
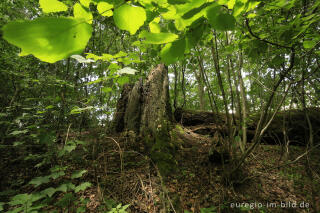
(144, 108)
(156, 110)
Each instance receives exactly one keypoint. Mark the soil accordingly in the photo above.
(263, 185)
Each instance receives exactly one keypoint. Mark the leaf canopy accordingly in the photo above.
(220, 21)
(172, 52)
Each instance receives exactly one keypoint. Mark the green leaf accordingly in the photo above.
(309, 44)
(19, 199)
(69, 148)
(190, 5)
(51, 6)
(58, 168)
(1, 206)
(49, 191)
(85, 3)
(78, 110)
(81, 209)
(82, 187)
(192, 16)
(238, 8)
(222, 21)
(80, 12)
(81, 59)
(172, 52)
(208, 210)
(48, 38)
(127, 70)
(39, 180)
(66, 200)
(78, 174)
(25, 198)
(56, 175)
(104, 9)
(177, 1)
(123, 80)
(107, 89)
(231, 3)
(18, 132)
(120, 54)
(129, 17)
(62, 188)
(158, 38)
(154, 27)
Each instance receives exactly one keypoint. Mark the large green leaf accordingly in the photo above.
(78, 174)
(39, 180)
(154, 26)
(82, 187)
(25, 199)
(129, 17)
(220, 21)
(85, 3)
(51, 6)
(104, 9)
(172, 52)
(48, 38)
(80, 12)
(192, 4)
(158, 38)
(127, 70)
(49, 191)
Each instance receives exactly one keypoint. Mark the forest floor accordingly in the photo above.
(121, 173)
(129, 177)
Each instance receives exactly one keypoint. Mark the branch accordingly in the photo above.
(261, 39)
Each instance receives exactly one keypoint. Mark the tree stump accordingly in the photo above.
(145, 109)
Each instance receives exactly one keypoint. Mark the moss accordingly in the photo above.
(179, 128)
(163, 149)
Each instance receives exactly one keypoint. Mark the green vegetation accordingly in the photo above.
(241, 73)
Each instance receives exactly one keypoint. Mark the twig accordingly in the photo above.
(65, 142)
(120, 153)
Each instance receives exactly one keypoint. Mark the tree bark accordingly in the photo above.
(145, 107)
(144, 110)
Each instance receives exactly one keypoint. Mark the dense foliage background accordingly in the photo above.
(239, 57)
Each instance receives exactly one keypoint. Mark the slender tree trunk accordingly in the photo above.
(199, 78)
(213, 103)
(175, 91)
(310, 143)
(215, 56)
(261, 127)
(237, 86)
(183, 69)
(244, 105)
(230, 83)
